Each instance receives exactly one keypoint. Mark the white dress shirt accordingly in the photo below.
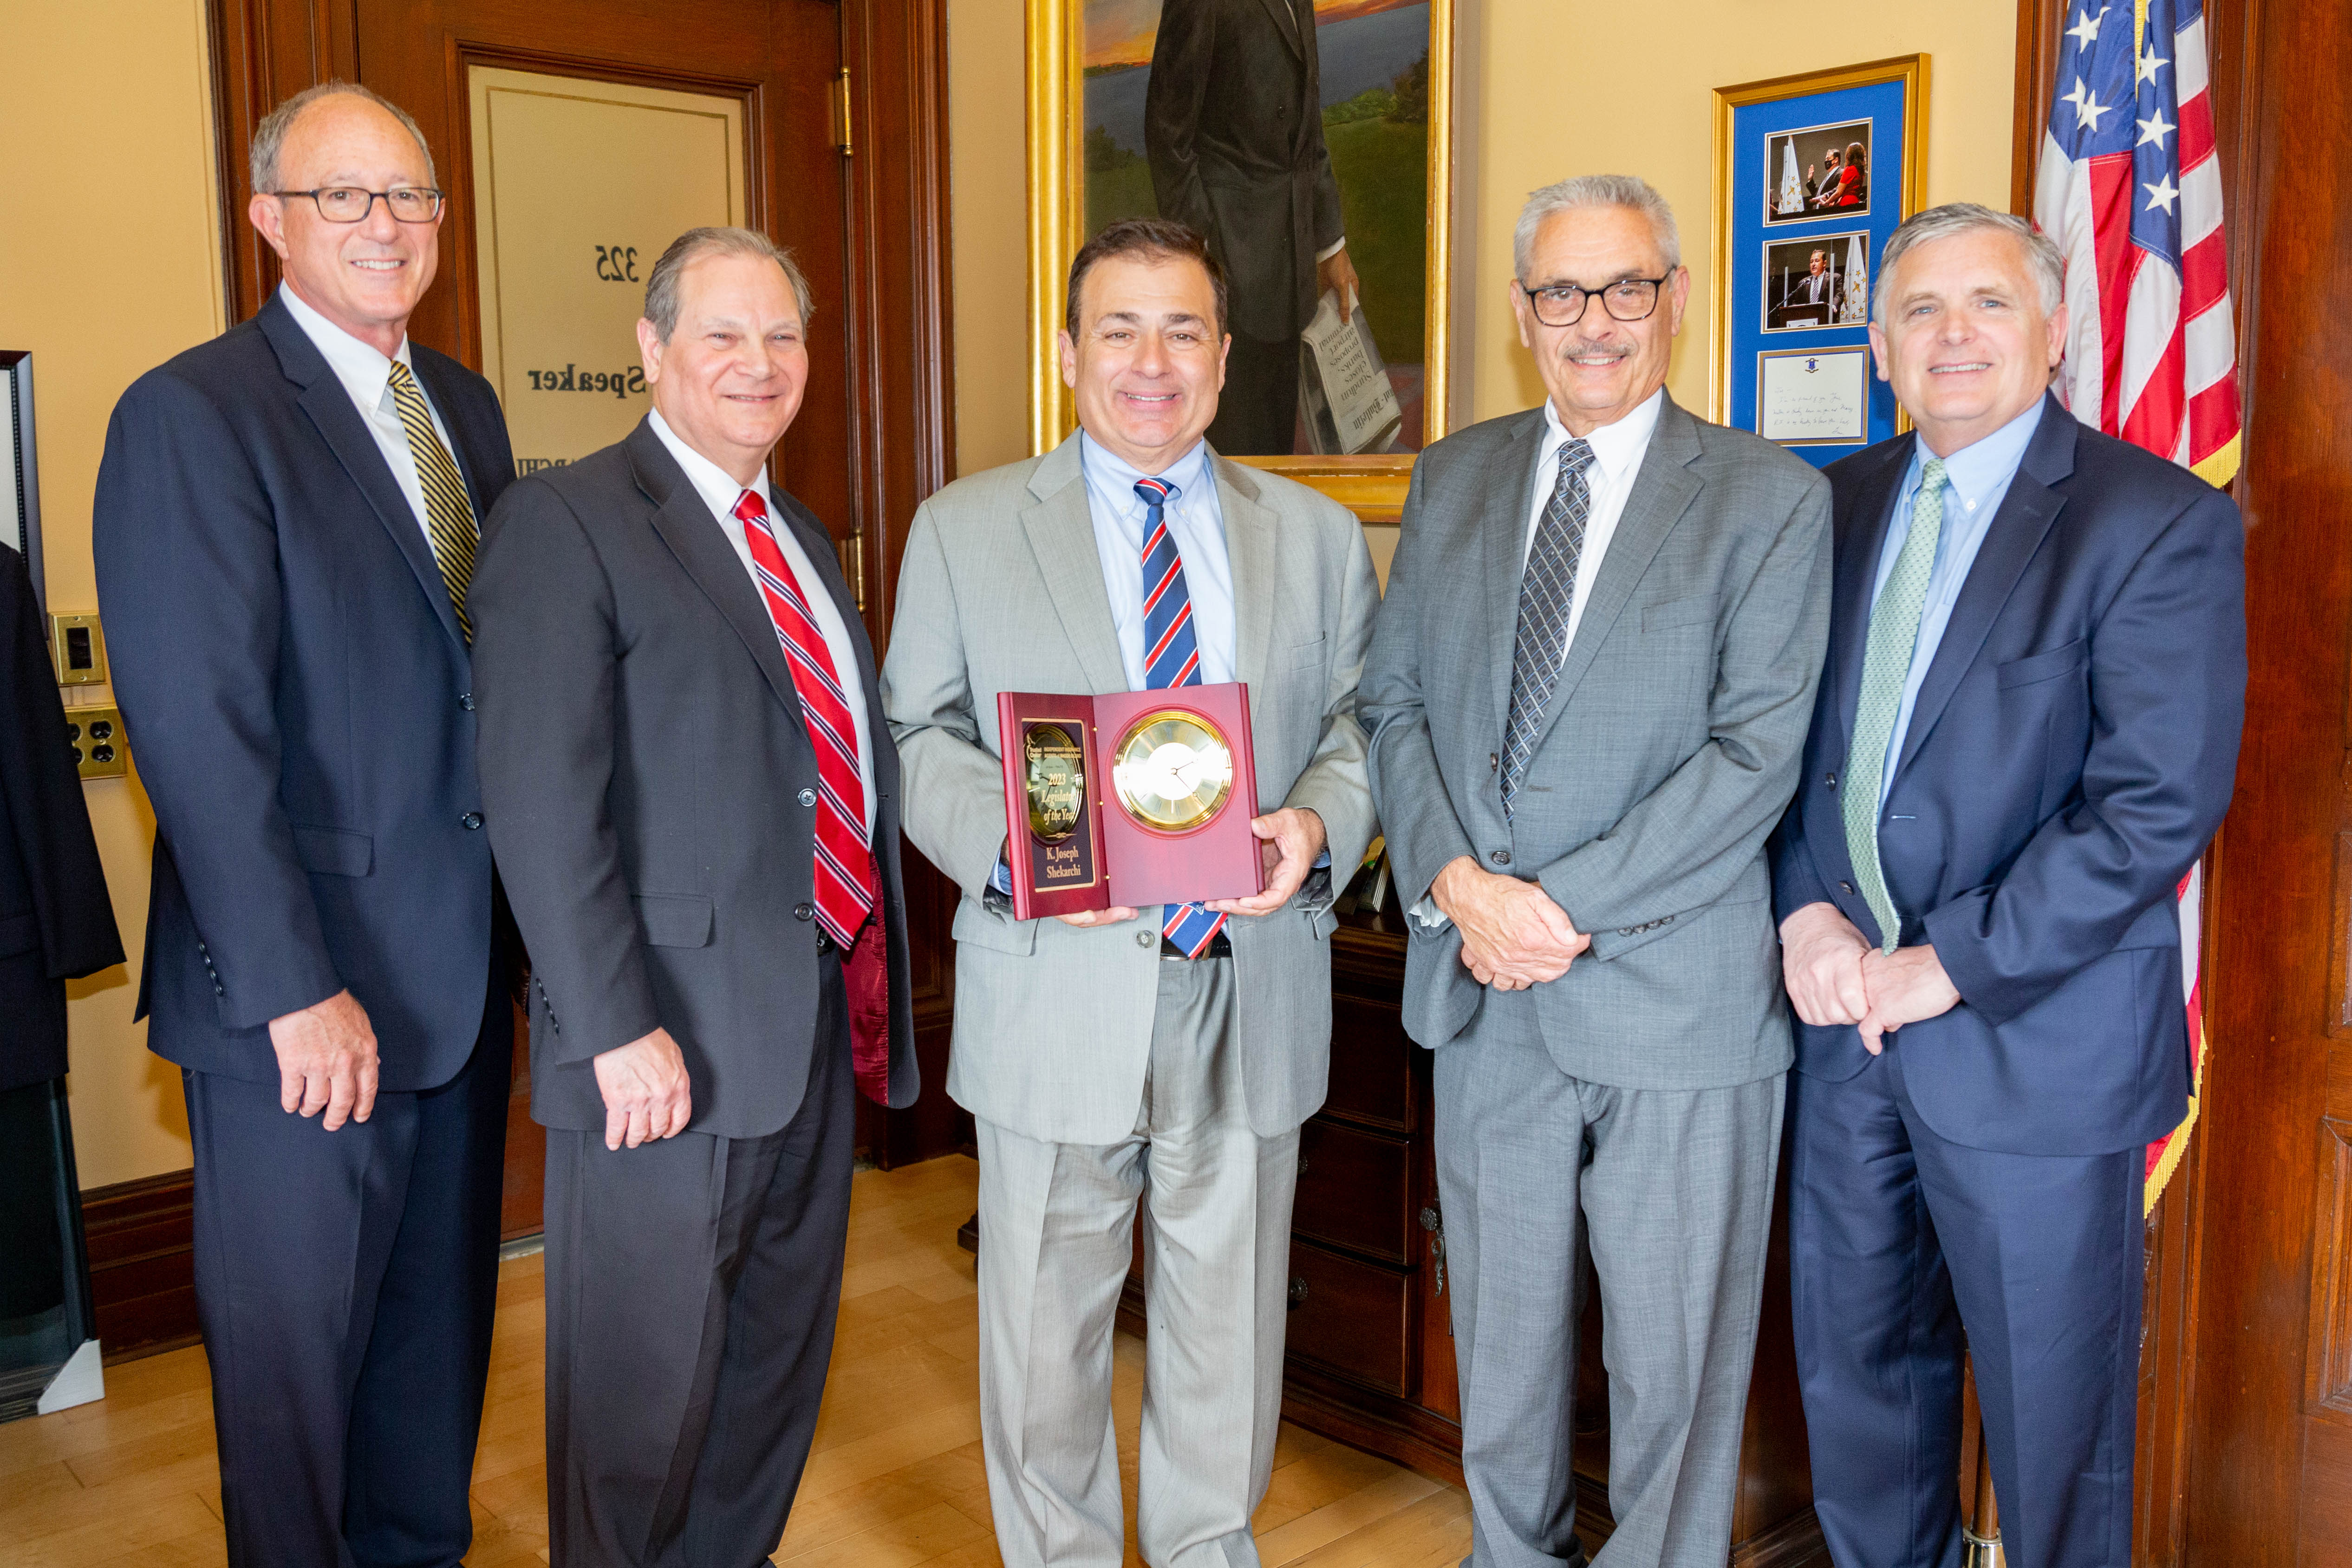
(1617, 452)
(1198, 524)
(366, 375)
(720, 492)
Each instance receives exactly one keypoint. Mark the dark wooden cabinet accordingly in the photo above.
(1371, 1358)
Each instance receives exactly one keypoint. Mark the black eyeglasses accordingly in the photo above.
(349, 205)
(1562, 303)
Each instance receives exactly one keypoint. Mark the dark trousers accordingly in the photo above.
(691, 1288)
(345, 1281)
(1258, 412)
(1899, 1240)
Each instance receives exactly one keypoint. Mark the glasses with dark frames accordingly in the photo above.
(350, 204)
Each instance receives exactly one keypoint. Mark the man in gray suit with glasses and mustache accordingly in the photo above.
(1587, 694)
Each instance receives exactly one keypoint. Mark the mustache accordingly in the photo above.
(1580, 346)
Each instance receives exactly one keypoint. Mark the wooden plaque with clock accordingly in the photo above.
(1130, 798)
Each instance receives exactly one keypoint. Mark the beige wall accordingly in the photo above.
(1531, 112)
(109, 263)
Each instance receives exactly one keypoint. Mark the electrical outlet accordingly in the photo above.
(100, 750)
(77, 647)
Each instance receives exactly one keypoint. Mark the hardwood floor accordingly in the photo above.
(895, 1480)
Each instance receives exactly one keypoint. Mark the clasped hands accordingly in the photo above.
(1513, 934)
(1834, 976)
(1288, 841)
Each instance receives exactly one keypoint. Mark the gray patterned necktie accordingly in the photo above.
(1546, 589)
(1886, 670)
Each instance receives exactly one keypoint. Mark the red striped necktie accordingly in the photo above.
(845, 858)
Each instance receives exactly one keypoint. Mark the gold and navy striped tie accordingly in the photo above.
(448, 513)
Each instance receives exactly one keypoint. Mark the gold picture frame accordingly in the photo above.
(1372, 486)
(1732, 184)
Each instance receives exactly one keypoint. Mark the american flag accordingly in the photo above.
(2131, 192)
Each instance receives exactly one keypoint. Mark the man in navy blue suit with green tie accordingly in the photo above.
(2026, 733)
(285, 529)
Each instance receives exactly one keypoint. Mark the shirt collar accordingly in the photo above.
(1617, 447)
(1985, 465)
(363, 367)
(1117, 476)
(717, 486)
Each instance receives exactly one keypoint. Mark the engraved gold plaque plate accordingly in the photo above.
(1172, 770)
(1056, 781)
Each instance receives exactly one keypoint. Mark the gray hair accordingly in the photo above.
(1628, 190)
(661, 284)
(2042, 257)
(269, 136)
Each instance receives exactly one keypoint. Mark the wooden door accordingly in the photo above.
(814, 79)
(2245, 1452)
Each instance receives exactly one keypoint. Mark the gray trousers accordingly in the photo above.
(1055, 1242)
(692, 1285)
(1674, 1189)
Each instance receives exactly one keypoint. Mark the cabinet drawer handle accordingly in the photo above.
(1297, 1291)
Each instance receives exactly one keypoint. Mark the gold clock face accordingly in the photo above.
(1057, 781)
(1172, 770)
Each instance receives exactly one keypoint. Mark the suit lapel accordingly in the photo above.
(1061, 532)
(338, 423)
(1663, 491)
(1856, 576)
(817, 543)
(2017, 531)
(1285, 22)
(1510, 494)
(701, 547)
(1253, 548)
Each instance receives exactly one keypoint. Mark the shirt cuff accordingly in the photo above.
(1334, 248)
(1429, 917)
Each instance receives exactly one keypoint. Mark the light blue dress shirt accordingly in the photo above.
(1193, 517)
(1978, 476)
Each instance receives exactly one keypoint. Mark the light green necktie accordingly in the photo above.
(1894, 632)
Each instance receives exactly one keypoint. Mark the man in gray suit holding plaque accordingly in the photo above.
(1173, 1049)
(1587, 695)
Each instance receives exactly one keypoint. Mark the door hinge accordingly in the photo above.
(852, 551)
(841, 111)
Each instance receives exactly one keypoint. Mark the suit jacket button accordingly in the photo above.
(1494, 761)
(1830, 779)
(470, 820)
(808, 796)
(466, 701)
(1143, 938)
(1845, 887)
(803, 912)
(1501, 857)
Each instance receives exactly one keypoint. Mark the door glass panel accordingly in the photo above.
(579, 186)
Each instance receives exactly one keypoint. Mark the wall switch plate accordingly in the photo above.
(95, 733)
(77, 648)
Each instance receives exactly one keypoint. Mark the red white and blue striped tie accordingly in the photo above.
(1171, 657)
(844, 872)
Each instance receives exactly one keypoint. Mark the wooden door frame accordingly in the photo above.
(900, 360)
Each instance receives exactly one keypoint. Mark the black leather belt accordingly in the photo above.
(1218, 947)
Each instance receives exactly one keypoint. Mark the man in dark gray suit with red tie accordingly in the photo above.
(696, 808)
(284, 529)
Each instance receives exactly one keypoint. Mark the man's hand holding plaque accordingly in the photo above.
(1128, 799)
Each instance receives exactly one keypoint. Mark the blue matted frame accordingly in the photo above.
(1751, 121)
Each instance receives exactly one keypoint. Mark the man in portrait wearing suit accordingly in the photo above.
(2026, 734)
(1586, 695)
(696, 810)
(1818, 285)
(1233, 132)
(1170, 1050)
(285, 529)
